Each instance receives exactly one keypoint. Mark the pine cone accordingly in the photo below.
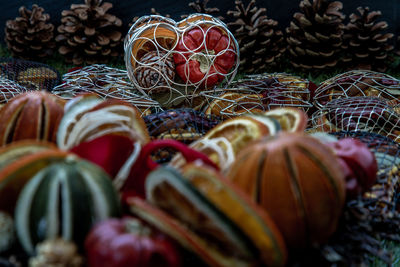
(89, 34)
(315, 35)
(260, 42)
(154, 70)
(366, 47)
(200, 6)
(30, 36)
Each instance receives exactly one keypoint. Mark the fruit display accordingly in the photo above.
(185, 158)
(174, 61)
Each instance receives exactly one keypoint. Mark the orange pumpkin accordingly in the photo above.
(299, 182)
(31, 115)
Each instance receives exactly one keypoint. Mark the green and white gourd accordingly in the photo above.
(64, 200)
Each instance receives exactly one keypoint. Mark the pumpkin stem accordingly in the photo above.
(205, 58)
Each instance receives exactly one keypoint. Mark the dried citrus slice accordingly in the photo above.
(168, 190)
(231, 103)
(153, 36)
(222, 143)
(239, 208)
(290, 119)
(182, 234)
(195, 18)
(242, 130)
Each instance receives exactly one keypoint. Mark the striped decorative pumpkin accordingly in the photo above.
(89, 116)
(31, 115)
(19, 162)
(64, 200)
(299, 182)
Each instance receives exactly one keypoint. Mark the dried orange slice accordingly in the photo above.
(238, 207)
(222, 143)
(195, 18)
(155, 36)
(242, 130)
(169, 191)
(290, 119)
(231, 103)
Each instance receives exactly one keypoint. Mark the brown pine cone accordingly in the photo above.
(88, 33)
(155, 71)
(366, 42)
(314, 35)
(30, 36)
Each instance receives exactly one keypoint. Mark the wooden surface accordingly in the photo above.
(281, 10)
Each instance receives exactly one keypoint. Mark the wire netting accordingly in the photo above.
(371, 114)
(9, 89)
(29, 74)
(107, 82)
(357, 83)
(257, 93)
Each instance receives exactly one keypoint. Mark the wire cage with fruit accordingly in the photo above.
(174, 61)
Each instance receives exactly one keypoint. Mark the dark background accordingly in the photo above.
(280, 10)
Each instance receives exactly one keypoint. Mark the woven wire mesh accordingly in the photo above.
(371, 114)
(357, 83)
(9, 89)
(107, 82)
(31, 75)
(161, 35)
(185, 125)
(260, 92)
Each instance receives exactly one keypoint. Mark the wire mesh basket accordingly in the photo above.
(261, 92)
(371, 114)
(9, 89)
(185, 125)
(107, 82)
(31, 75)
(357, 83)
(174, 61)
